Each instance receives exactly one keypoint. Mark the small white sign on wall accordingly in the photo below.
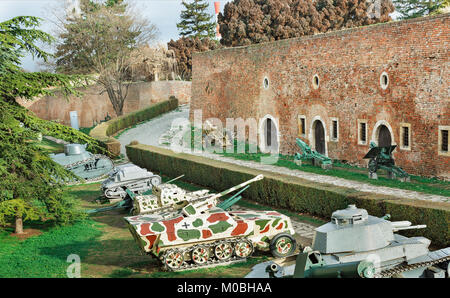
(74, 120)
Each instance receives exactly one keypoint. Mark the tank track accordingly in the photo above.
(92, 158)
(404, 268)
(213, 261)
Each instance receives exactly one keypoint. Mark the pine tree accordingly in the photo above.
(196, 22)
(30, 181)
(417, 8)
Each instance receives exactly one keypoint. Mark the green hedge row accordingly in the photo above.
(284, 191)
(103, 131)
(142, 115)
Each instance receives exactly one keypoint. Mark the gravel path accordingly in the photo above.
(149, 133)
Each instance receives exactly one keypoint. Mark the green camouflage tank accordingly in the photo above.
(203, 234)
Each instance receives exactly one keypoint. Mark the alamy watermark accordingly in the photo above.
(236, 135)
(74, 269)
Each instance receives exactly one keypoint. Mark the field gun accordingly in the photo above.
(309, 154)
(381, 158)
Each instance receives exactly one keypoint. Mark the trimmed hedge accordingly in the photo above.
(105, 130)
(284, 191)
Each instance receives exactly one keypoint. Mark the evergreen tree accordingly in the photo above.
(30, 181)
(417, 8)
(196, 22)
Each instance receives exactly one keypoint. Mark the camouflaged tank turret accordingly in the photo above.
(83, 163)
(355, 244)
(131, 177)
(203, 234)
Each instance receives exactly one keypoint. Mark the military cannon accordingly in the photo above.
(381, 158)
(309, 154)
(169, 197)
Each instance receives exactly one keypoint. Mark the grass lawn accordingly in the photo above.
(104, 244)
(51, 147)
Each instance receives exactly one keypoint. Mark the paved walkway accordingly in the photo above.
(149, 133)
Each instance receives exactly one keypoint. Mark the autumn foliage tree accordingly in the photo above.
(245, 22)
(185, 47)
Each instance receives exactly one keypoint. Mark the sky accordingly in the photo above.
(165, 14)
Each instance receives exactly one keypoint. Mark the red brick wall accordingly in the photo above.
(93, 107)
(414, 54)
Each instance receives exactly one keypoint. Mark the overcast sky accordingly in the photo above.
(165, 14)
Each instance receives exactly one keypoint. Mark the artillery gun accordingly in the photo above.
(309, 154)
(131, 177)
(381, 158)
(168, 197)
(204, 234)
(212, 136)
(82, 163)
(355, 244)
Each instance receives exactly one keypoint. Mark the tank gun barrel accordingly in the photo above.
(405, 225)
(239, 186)
(409, 228)
(174, 179)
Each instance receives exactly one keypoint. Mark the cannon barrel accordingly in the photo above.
(405, 225)
(172, 180)
(225, 192)
(347, 270)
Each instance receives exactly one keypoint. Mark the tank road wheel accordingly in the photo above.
(243, 248)
(223, 251)
(173, 259)
(155, 180)
(282, 245)
(200, 255)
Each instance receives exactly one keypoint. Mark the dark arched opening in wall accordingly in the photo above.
(270, 136)
(319, 137)
(384, 136)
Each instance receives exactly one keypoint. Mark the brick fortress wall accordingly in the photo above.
(95, 106)
(349, 64)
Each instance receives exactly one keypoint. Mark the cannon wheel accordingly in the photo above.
(373, 166)
(282, 245)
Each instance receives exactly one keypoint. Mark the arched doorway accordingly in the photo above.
(319, 137)
(269, 135)
(384, 136)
